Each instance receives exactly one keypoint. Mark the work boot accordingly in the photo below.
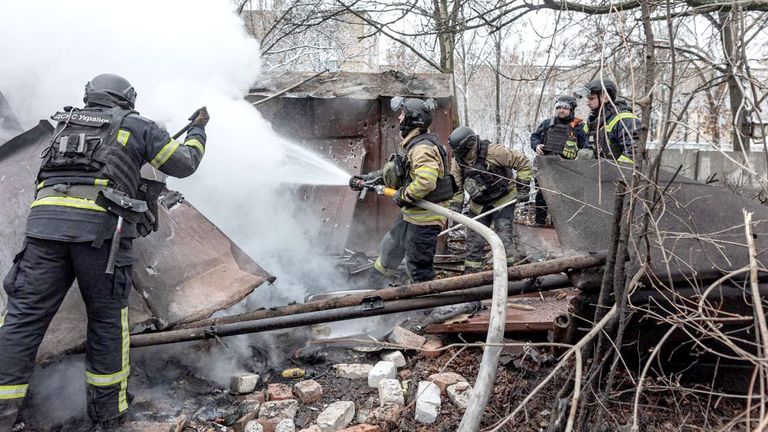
(9, 410)
(377, 280)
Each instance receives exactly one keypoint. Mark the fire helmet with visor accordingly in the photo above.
(417, 112)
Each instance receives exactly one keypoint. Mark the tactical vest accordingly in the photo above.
(491, 181)
(85, 151)
(446, 185)
(558, 134)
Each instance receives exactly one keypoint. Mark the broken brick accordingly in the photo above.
(444, 379)
(278, 392)
(431, 348)
(352, 371)
(406, 339)
(362, 428)
(337, 416)
(395, 357)
(382, 370)
(308, 391)
(387, 417)
(243, 383)
(278, 410)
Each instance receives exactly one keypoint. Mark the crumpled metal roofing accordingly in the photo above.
(700, 227)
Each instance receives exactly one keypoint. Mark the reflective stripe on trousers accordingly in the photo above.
(13, 391)
(120, 377)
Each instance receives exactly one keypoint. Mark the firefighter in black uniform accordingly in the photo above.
(561, 136)
(91, 165)
(613, 128)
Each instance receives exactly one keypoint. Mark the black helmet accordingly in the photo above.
(112, 85)
(597, 86)
(461, 140)
(565, 99)
(417, 112)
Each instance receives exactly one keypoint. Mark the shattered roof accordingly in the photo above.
(354, 84)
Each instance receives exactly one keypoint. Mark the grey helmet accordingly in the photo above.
(567, 100)
(112, 85)
(462, 140)
(597, 86)
(417, 112)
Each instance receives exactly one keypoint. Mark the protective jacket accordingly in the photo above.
(614, 130)
(563, 137)
(424, 171)
(500, 162)
(94, 148)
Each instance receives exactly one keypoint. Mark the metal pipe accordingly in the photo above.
(413, 290)
(488, 365)
(276, 323)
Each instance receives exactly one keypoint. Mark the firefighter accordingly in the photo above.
(418, 170)
(613, 128)
(92, 164)
(486, 172)
(562, 135)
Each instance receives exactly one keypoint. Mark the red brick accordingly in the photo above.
(276, 392)
(308, 391)
(430, 349)
(362, 428)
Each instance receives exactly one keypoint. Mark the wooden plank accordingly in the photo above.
(540, 318)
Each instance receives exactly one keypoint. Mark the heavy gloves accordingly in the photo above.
(356, 183)
(200, 117)
(570, 149)
(399, 198)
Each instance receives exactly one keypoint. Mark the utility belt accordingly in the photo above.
(142, 211)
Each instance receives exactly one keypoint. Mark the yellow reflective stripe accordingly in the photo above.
(381, 269)
(165, 153)
(196, 144)
(81, 203)
(122, 403)
(419, 215)
(122, 136)
(41, 185)
(99, 380)
(625, 159)
(100, 182)
(13, 391)
(428, 171)
(614, 121)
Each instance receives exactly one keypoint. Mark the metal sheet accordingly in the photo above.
(321, 111)
(700, 228)
(186, 271)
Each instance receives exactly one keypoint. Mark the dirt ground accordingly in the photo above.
(202, 406)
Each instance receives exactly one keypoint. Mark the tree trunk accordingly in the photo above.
(741, 129)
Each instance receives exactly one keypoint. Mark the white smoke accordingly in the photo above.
(179, 55)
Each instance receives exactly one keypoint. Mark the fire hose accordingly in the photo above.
(490, 361)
